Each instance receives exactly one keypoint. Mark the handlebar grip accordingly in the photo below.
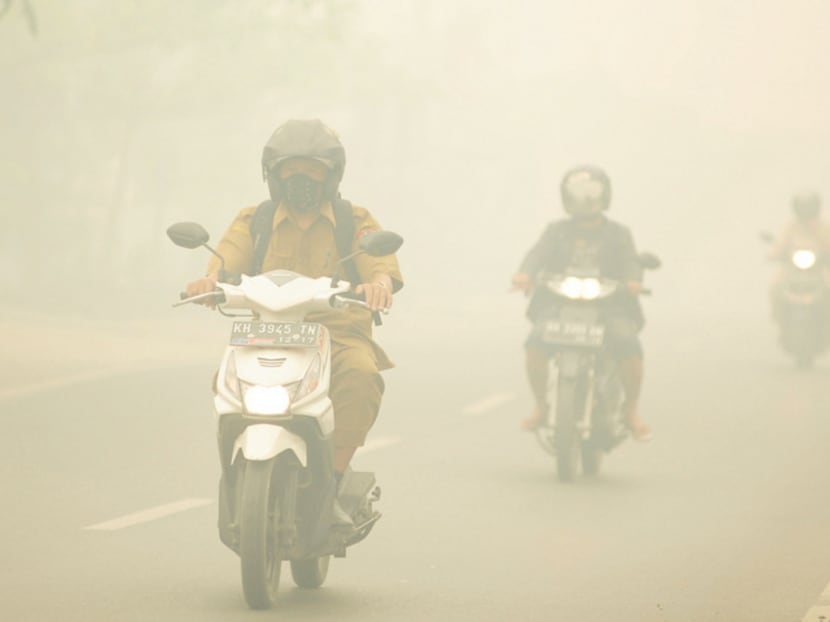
(182, 295)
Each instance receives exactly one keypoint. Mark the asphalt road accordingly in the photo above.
(724, 516)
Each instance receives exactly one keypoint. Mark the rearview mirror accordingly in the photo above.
(188, 234)
(650, 261)
(380, 243)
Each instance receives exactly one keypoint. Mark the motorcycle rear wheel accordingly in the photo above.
(259, 548)
(310, 574)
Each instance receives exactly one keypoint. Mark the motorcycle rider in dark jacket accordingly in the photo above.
(588, 239)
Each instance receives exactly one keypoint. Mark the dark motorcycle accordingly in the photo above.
(585, 393)
(801, 306)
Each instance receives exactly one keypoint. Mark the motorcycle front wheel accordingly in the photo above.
(566, 438)
(259, 546)
(310, 573)
(591, 458)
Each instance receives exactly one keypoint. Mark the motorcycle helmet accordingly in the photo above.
(806, 205)
(303, 138)
(586, 191)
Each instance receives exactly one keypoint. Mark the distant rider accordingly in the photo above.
(588, 239)
(807, 231)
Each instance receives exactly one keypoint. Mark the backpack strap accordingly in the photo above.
(344, 236)
(262, 224)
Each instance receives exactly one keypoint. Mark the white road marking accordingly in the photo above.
(57, 383)
(379, 443)
(487, 404)
(821, 611)
(151, 514)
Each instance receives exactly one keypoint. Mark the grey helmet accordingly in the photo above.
(806, 205)
(586, 191)
(303, 138)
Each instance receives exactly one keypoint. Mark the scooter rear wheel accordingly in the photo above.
(311, 573)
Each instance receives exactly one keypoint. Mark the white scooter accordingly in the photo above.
(275, 426)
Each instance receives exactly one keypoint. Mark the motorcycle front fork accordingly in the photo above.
(586, 384)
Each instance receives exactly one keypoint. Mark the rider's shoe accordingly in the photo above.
(536, 419)
(639, 429)
(340, 519)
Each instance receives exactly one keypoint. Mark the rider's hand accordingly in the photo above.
(378, 293)
(635, 288)
(521, 282)
(203, 286)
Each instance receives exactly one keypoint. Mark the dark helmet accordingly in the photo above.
(806, 205)
(586, 191)
(303, 138)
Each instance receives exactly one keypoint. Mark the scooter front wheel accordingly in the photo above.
(310, 573)
(259, 546)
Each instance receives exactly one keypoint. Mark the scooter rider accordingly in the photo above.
(806, 231)
(303, 164)
(588, 239)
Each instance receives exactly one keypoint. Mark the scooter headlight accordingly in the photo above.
(804, 259)
(266, 400)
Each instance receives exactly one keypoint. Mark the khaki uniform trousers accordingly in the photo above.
(356, 390)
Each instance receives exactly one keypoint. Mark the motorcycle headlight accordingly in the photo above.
(580, 289)
(804, 259)
(590, 288)
(571, 287)
(266, 400)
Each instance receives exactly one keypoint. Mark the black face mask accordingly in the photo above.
(302, 193)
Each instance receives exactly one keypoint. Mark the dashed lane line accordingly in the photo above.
(151, 514)
(487, 404)
(162, 511)
(57, 383)
(379, 443)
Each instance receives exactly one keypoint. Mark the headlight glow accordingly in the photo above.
(804, 259)
(576, 288)
(590, 288)
(571, 287)
(266, 400)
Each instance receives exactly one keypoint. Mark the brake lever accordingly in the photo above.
(184, 300)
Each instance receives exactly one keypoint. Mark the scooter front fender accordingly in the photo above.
(263, 441)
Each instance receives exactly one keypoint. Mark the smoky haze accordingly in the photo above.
(459, 119)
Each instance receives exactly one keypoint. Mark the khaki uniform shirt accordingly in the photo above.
(313, 252)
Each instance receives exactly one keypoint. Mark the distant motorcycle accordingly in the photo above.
(585, 420)
(802, 306)
(275, 425)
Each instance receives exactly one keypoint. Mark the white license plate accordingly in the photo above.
(275, 334)
(573, 333)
